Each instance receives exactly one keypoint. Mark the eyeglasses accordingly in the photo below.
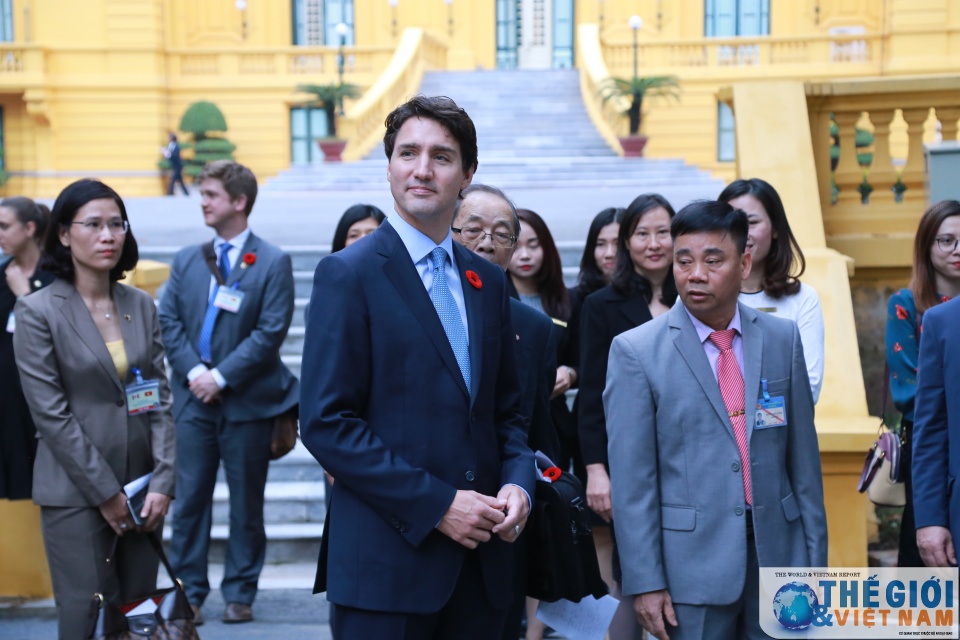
(947, 244)
(476, 234)
(116, 227)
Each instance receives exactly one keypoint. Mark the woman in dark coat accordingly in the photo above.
(22, 226)
(641, 288)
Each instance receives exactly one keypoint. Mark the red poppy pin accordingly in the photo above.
(474, 279)
(249, 259)
(552, 474)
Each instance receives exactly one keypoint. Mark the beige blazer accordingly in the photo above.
(88, 446)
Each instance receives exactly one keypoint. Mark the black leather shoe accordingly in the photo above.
(197, 616)
(237, 612)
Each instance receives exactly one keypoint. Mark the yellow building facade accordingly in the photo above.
(93, 87)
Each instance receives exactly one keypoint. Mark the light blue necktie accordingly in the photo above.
(449, 313)
(210, 318)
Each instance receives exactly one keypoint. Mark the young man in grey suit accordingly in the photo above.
(223, 343)
(714, 461)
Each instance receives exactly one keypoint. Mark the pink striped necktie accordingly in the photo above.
(732, 391)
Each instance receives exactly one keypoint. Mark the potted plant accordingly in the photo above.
(636, 89)
(329, 97)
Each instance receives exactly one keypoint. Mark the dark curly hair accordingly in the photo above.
(57, 258)
(440, 109)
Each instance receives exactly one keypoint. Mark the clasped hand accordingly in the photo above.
(117, 515)
(473, 517)
(205, 388)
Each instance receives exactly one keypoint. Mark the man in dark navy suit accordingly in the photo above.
(410, 399)
(486, 222)
(936, 434)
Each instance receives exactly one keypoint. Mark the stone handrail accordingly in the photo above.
(362, 126)
(607, 117)
(871, 212)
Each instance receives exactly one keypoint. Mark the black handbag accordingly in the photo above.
(562, 559)
(172, 620)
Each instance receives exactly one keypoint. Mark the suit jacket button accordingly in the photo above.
(120, 402)
(738, 511)
(735, 467)
(469, 476)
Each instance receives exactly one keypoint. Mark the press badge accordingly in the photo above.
(228, 299)
(771, 411)
(143, 396)
(11, 323)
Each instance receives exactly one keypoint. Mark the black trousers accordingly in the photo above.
(909, 555)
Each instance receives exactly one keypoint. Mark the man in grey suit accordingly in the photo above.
(223, 343)
(714, 461)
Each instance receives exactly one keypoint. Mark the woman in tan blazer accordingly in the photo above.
(79, 344)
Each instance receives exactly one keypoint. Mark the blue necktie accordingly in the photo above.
(210, 318)
(449, 313)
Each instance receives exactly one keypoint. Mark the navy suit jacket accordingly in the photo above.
(936, 427)
(385, 410)
(537, 369)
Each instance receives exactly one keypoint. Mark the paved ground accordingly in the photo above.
(291, 614)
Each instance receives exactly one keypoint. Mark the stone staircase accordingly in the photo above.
(533, 132)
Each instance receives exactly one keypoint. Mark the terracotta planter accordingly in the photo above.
(332, 149)
(633, 146)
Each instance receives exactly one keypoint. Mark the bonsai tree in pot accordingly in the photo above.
(330, 97)
(635, 90)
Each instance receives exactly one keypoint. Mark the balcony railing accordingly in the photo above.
(284, 65)
(21, 66)
(871, 212)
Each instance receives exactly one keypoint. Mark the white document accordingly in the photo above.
(145, 607)
(136, 486)
(588, 619)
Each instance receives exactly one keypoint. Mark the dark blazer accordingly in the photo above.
(245, 346)
(385, 409)
(605, 315)
(89, 446)
(936, 444)
(537, 371)
(18, 436)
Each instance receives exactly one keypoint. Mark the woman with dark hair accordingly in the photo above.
(641, 289)
(774, 282)
(358, 221)
(935, 279)
(22, 226)
(91, 365)
(600, 252)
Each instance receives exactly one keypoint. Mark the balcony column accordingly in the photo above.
(948, 117)
(913, 175)
(848, 173)
(882, 174)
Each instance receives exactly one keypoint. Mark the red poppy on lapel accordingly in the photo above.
(249, 259)
(474, 279)
(552, 474)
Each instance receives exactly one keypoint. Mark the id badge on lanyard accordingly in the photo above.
(771, 411)
(143, 396)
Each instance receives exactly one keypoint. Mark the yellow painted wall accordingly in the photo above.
(103, 80)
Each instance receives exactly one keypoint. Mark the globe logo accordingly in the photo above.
(794, 604)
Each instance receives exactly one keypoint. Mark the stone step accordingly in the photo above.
(292, 575)
(284, 502)
(293, 344)
(286, 543)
